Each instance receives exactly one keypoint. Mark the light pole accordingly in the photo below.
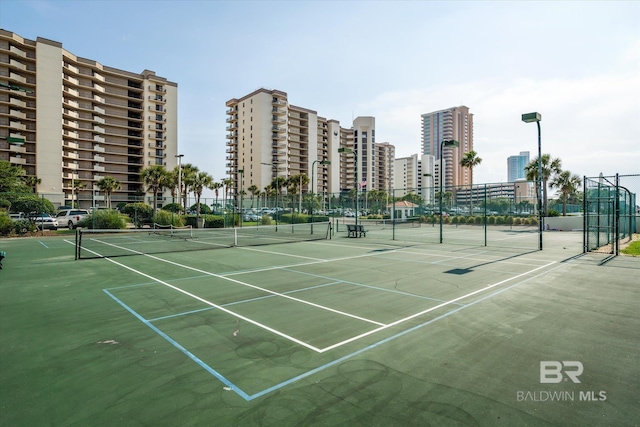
(179, 156)
(241, 173)
(274, 166)
(355, 152)
(313, 188)
(431, 186)
(530, 118)
(446, 143)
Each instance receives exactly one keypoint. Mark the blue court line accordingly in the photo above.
(369, 286)
(240, 302)
(248, 397)
(190, 355)
(156, 283)
(43, 244)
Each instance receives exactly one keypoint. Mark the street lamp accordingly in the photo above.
(349, 150)
(530, 118)
(241, 173)
(446, 143)
(274, 166)
(179, 156)
(313, 188)
(431, 187)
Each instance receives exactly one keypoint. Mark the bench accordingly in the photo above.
(354, 230)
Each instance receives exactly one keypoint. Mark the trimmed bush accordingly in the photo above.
(32, 203)
(139, 213)
(104, 219)
(173, 207)
(169, 218)
(265, 220)
(204, 209)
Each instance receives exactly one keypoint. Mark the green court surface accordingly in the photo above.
(346, 331)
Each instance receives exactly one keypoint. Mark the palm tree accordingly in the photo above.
(228, 185)
(172, 184)
(32, 181)
(188, 173)
(200, 181)
(216, 186)
(550, 167)
(296, 183)
(254, 190)
(77, 186)
(470, 160)
(108, 184)
(568, 184)
(154, 177)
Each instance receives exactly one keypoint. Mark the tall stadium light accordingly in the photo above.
(313, 188)
(179, 157)
(349, 150)
(274, 166)
(241, 173)
(530, 118)
(443, 144)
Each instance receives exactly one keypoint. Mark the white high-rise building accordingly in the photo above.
(82, 121)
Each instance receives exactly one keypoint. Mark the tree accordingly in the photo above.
(201, 180)
(172, 184)
(11, 178)
(189, 172)
(216, 186)
(550, 167)
(470, 160)
(108, 185)
(77, 186)
(296, 183)
(228, 185)
(32, 181)
(155, 178)
(567, 183)
(254, 190)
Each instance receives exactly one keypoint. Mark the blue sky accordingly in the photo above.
(577, 63)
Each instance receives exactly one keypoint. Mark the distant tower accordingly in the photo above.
(516, 165)
(454, 123)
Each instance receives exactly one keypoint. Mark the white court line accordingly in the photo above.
(253, 322)
(397, 322)
(279, 253)
(249, 286)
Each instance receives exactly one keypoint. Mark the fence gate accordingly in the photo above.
(609, 214)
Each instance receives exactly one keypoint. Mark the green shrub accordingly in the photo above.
(553, 212)
(139, 213)
(518, 221)
(479, 219)
(6, 225)
(169, 218)
(491, 219)
(5, 204)
(265, 220)
(104, 219)
(173, 207)
(212, 221)
(32, 203)
(508, 220)
(204, 209)
(471, 220)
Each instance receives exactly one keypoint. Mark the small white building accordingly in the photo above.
(402, 210)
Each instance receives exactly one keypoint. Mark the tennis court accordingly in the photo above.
(365, 331)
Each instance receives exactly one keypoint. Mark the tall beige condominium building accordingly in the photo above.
(82, 121)
(451, 124)
(268, 137)
(384, 165)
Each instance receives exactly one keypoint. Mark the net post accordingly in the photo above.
(77, 244)
(235, 236)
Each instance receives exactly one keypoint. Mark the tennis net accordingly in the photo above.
(112, 243)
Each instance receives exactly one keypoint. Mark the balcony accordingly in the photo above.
(17, 102)
(98, 158)
(17, 51)
(99, 110)
(98, 138)
(13, 148)
(17, 160)
(98, 148)
(99, 99)
(17, 125)
(98, 168)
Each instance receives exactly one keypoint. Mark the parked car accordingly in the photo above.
(71, 217)
(19, 216)
(44, 221)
